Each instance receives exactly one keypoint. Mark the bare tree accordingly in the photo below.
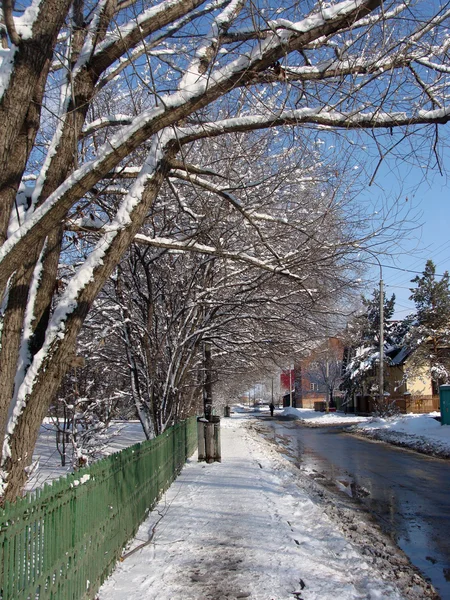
(174, 307)
(327, 367)
(193, 71)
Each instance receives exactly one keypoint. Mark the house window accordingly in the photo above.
(314, 387)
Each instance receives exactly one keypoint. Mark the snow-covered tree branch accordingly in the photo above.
(110, 93)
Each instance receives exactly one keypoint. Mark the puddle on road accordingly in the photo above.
(361, 470)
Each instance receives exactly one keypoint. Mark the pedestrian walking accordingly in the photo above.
(272, 408)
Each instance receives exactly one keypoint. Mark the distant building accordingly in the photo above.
(411, 389)
(315, 377)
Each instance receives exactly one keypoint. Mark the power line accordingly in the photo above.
(435, 252)
(400, 269)
(404, 306)
(400, 287)
(403, 310)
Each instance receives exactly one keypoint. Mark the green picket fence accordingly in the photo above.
(62, 541)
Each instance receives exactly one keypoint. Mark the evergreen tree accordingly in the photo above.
(370, 319)
(432, 298)
(430, 337)
(362, 354)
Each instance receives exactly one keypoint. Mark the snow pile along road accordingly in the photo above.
(420, 432)
(244, 528)
(322, 419)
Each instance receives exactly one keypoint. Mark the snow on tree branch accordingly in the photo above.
(203, 249)
(101, 105)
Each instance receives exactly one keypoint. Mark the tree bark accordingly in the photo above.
(11, 341)
(55, 364)
(19, 154)
(30, 59)
(207, 391)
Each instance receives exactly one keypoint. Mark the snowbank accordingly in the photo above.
(312, 417)
(421, 432)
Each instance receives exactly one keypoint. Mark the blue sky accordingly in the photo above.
(429, 202)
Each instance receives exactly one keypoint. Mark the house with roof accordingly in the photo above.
(409, 387)
(315, 377)
(412, 388)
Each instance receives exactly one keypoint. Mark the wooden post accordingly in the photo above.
(201, 440)
(207, 385)
(218, 453)
(209, 442)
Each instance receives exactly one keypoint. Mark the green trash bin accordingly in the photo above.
(444, 400)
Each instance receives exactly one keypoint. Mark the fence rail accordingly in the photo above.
(62, 541)
(418, 404)
(365, 405)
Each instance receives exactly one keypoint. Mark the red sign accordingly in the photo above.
(287, 379)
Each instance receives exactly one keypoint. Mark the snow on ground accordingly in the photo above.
(421, 432)
(312, 417)
(248, 528)
(47, 460)
(254, 527)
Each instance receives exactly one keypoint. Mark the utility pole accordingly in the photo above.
(381, 333)
(291, 370)
(208, 428)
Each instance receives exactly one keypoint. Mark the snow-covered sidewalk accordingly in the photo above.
(245, 528)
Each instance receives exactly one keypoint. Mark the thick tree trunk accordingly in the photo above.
(19, 154)
(30, 60)
(56, 362)
(14, 320)
(47, 285)
(11, 338)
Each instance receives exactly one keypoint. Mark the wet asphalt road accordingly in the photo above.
(408, 493)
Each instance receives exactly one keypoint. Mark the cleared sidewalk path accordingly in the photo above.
(242, 528)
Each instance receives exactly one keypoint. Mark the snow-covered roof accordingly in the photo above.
(399, 355)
